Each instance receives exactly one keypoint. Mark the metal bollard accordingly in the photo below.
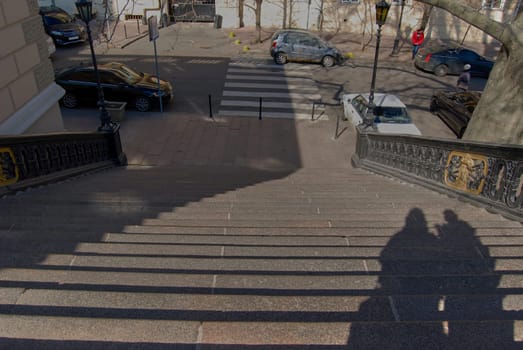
(260, 111)
(210, 107)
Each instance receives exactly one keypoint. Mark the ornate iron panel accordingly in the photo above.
(29, 157)
(490, 174)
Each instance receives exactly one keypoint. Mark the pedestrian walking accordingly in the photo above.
(418, 36)
(464, 79)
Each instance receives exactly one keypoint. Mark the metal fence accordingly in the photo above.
(490, 175)
(193, 11)
(29, 160)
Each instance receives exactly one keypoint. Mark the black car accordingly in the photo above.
(444, 60)
(61, 26)
(455, 108)
(302, 46)
(119, 82)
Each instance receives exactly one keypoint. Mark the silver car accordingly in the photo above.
(302, 46)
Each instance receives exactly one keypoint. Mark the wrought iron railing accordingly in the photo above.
(28, 160)
(490, 175)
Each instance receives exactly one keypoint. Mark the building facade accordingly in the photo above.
(28, 95)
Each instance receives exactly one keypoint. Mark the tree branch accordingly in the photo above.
(481, 21)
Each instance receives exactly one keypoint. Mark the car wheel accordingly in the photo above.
(142, 103)
(280, 58)
(69, 100)
(441, 70)
(327, 61)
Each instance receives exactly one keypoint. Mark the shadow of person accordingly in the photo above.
(436, 291)
(472, 303)
(401, 294)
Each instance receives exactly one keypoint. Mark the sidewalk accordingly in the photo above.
(202, 39)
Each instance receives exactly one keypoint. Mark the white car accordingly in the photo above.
(390, 114)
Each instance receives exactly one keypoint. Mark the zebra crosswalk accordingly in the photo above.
(263, 88)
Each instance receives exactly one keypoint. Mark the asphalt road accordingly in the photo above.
(195, 78)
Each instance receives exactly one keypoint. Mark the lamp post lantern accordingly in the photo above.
(85, 12)
(382, 9)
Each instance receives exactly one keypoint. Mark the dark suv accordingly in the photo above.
(119, 82)
(61, 26)
(302, 46)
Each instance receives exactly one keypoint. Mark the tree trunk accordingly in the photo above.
(498, 116)
(258, 18)
(427, 10)
(284, 19)
(291, 5)
(240, 13)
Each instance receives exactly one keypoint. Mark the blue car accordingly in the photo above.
(294, 45)
(61, 26)
(450, 60)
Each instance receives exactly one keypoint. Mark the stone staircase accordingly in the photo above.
(230, 257)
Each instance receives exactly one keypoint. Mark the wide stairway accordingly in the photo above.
(193, 256)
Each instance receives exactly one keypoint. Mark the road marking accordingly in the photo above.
(291, 95)
(394, 310)
(254, 88)
(271, 86)
(268, 78)
(256, 103)
(269, 72)
(275, 115)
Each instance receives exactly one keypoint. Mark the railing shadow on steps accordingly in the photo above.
(486, 175)
(32, 160)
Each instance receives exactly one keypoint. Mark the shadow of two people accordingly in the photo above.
(436, 291)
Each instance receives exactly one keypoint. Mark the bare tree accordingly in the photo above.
(427, 10)
(284, 19)
(241, 4)
(498, 116)
(257, 12)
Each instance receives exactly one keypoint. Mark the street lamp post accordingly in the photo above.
(85, 11)
(382, 9)
(396, 48)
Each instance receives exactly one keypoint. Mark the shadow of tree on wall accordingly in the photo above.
(441, 290)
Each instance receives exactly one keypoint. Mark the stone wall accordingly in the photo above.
(26, 73)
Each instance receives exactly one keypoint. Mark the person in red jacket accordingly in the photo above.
(418, 36)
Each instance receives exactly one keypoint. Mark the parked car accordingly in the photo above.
(455, 108)
(390, 114)
(302, 46)
(444, 60)
(120, 83)
(61, 26)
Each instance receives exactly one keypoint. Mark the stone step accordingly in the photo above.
(107, 224)
(207, 217)
(361, 231)
(278, 266)
(260, 308)
(62, 333)
(262, 284)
